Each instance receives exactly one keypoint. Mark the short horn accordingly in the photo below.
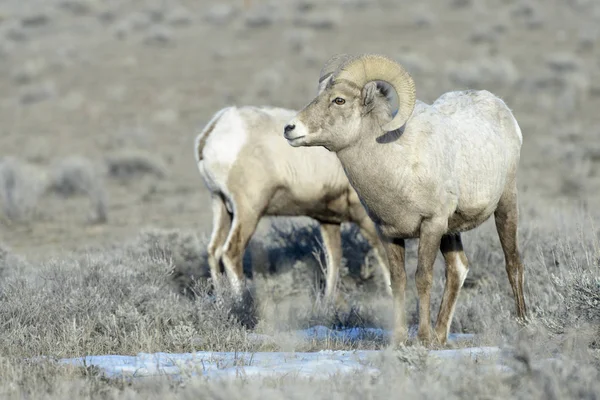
(370, 67)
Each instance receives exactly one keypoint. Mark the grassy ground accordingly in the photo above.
(147, 296)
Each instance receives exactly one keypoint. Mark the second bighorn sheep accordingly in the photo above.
(429, 172)
(251, 171)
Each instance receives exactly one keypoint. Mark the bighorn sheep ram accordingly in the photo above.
(251, 171)
(429, 172)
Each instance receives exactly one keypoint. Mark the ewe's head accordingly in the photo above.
(350, 103)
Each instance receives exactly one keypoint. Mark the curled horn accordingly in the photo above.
(369, 67)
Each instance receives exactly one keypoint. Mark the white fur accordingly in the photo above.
(225, 144)
(221, 150)
(204, 131)
(518, 129)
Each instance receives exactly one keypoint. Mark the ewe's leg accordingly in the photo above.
(242, 228)
(456, 272)
(221, 225)
(429, 243)
(333, 249)
(507, 216)
(367, 228)
(359, 216)
(395, 251)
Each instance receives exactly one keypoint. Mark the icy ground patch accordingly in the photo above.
(321, 364)
(354, 334)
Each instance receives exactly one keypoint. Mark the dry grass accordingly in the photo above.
(149, 295)
(566, 379)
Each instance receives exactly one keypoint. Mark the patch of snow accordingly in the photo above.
(227, 364)
(322, 364)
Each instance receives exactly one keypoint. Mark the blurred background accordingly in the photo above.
(101, 100)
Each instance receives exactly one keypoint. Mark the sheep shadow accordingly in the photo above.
(291, 256)
(301, 246)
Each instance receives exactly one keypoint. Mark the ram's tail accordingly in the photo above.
(200, 141)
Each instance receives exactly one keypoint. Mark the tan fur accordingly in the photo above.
(447, 170)
(266, 177)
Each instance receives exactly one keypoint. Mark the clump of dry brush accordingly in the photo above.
(23, 185)
(149, 295)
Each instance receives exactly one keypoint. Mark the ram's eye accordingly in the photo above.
(339, 101)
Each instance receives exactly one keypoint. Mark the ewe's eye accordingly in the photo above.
(339, 101)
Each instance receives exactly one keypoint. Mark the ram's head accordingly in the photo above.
(351, 101)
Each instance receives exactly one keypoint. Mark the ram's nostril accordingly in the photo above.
(289, 128)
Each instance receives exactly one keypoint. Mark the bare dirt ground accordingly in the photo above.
(101, 200)
(102, 79)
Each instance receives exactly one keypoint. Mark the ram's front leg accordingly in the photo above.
(429, 242)
(395, 251)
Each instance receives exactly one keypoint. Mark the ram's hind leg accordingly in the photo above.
(507, 216)
(333, 248)
(221, 225)
(456, 272)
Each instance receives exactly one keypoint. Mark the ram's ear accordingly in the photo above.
(369, 92)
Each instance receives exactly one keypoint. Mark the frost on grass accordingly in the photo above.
(20, 189)
(78, 176)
